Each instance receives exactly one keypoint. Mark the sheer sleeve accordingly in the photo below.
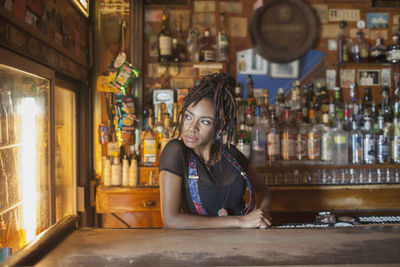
(241, 159)
(173, 158)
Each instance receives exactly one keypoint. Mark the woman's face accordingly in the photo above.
(198, 125)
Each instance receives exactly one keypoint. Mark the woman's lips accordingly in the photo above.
(190, 138)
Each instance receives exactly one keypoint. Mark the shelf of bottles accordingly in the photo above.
(316, 138)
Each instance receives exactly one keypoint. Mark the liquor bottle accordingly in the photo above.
(159, 125)
(264, 109)
(207, 50)
(180, 48)
(192, 47)
(339, 107)
(16, 235)
(396, 99)
(250, 98)
(355, 144)
(326, 139)
(385, 107)
(295, 101)
(125, 171)
(243, 141)
(378, 51)
(301, 137)
(354, 103)
(279, 103)
(393, 51)
(340, 142)
(369, 142)
(258, 147)
(249, 118)
(149, 155)
(287, 134)
(133, 173)
(383, 146)
(347, 119)
(164, 40)
(395, 141)
(223, 41)
(273, 141)
(240, 104)
(4, 131)
(367, 101)
(306, 101)
(174, 124)
(360, 49)
(343, 46)
(313, 138)
(167, 133)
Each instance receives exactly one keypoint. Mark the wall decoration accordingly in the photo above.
(344, 14)
(238, 27)
(377, 20)
(330, 79)
(368, 77)
(330, 30)
(332, 45)
(375, 34)
(249, 62)
(322, 11)
(347, 77)
(204, 6)
(386, 77)
(230, 7)
(285, 70)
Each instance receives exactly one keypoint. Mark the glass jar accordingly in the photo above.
(360, 49)
(378, 51)
(393, 51)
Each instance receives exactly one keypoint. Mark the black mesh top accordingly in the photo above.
(213, 180)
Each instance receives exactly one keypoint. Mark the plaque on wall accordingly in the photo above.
(283, 30)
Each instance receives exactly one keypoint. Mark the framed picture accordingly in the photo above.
(368, 77)
(249, 62)
(285, 70)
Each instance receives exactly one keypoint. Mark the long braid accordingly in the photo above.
(219, 88)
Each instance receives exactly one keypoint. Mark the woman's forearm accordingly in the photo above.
(189, 221)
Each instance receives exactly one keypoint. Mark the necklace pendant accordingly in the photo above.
(222, 212)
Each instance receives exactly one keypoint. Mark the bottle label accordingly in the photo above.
(273, 144)
(383, 149)
(394, 55)
(244, 148)
(301, 146)
(364, 53)
(165, 45)
(287, 146)
(149, 151)
(340, 139)
(356, 148)
(326, 147)
(223, 44)
(209, 55)
(396, 149)
(313, 146)
(369, 150)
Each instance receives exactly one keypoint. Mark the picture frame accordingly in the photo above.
(285, 70)
(249, 62)
(369, 77)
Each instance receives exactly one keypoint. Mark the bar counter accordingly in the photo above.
(360, 245)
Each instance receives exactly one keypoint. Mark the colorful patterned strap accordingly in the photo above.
(193, 184)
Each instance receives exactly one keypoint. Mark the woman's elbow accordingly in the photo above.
(170, 220)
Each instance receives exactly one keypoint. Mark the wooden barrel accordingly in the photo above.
(283, 30)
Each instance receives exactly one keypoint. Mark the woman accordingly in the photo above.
(203, 178)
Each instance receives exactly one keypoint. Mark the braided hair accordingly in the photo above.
(219, 89)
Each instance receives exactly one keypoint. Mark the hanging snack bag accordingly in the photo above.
(124, 76)
(125, 111)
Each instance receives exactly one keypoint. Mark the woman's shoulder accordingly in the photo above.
(174, 146)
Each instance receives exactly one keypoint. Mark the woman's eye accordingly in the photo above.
(206, 122)
(187, 116)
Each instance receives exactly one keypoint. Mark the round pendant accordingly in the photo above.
(119, 60)
(222, 212)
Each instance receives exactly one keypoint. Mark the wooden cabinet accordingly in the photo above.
(130, 207)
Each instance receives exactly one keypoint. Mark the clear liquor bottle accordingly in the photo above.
(223, 41)
(383, 140)
(164, 40)
(369, 142)
(395, 141)
(258, 148)
(314, 138)
(360, 49)
(340, 143)
(301, 137)
(354, 102)
(326, 139)
(355, 144)
(273, 141)
(287, 134)
(385, 109)
(264, 109)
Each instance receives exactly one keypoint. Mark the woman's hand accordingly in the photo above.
(255, 219)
